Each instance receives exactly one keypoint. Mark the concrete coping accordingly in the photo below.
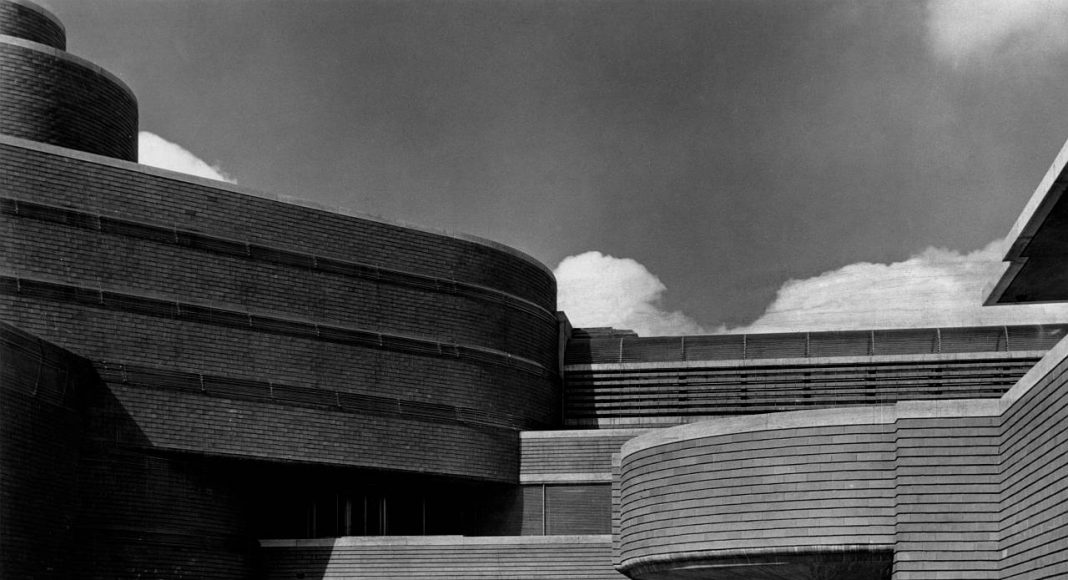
(1038, 206)
(76, 60)
(251, 192)
(581, 433)
(808, 361)
(834, 417)
(1035, 212)
(1042, 368)
(564, 478)
(369, 541)
(42, 11)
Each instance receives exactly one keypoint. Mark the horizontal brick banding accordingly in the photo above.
(531, 558)
(204, 280)
(260, 253)
(135, 194)
(289, 395)
(52, 97)
(243, 353)
(580, 453)
(947, 498)
(788, 489)
(578, 509)
(194, 423)
(310, 286)
(1034, 477)
(26, 20)
(966, 489)
(230, 317)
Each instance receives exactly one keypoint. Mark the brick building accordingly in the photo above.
(199, 380)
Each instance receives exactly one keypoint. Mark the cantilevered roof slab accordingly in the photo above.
(1038, 256)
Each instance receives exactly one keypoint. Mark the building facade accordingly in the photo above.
(200, 380)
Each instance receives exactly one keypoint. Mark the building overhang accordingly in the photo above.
(1036, 271)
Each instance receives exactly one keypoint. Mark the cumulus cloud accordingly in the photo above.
(599, 290)
(1030, 29)
(158, 152)
(936, 287)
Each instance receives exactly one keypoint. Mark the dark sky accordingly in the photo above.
(727, 146)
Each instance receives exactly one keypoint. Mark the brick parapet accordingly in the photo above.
(53, 97)
(26, 20)
(99, 185)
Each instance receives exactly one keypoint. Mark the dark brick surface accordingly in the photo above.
(40, 432)
(189, 422)
(157, 516)
(129, 338)
(275, 317)
(62, 102)
(31, 23)
(442, 312)
(132, 195)
(151, 506)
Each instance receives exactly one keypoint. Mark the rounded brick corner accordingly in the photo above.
(52, 97)
(28, 21)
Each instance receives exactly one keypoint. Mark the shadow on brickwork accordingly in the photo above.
(84, 495)
(146, 512)
(848, 564)
(40, 431)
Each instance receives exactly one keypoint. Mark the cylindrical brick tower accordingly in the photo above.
(51, 96)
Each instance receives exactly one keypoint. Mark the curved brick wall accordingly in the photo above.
(965, 489)
(26, 20)
(304, 292)
(358, 342)
(823, 480)
(50, 96)
(142, 195)
(916, 483)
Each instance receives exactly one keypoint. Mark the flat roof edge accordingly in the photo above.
(252, 192)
